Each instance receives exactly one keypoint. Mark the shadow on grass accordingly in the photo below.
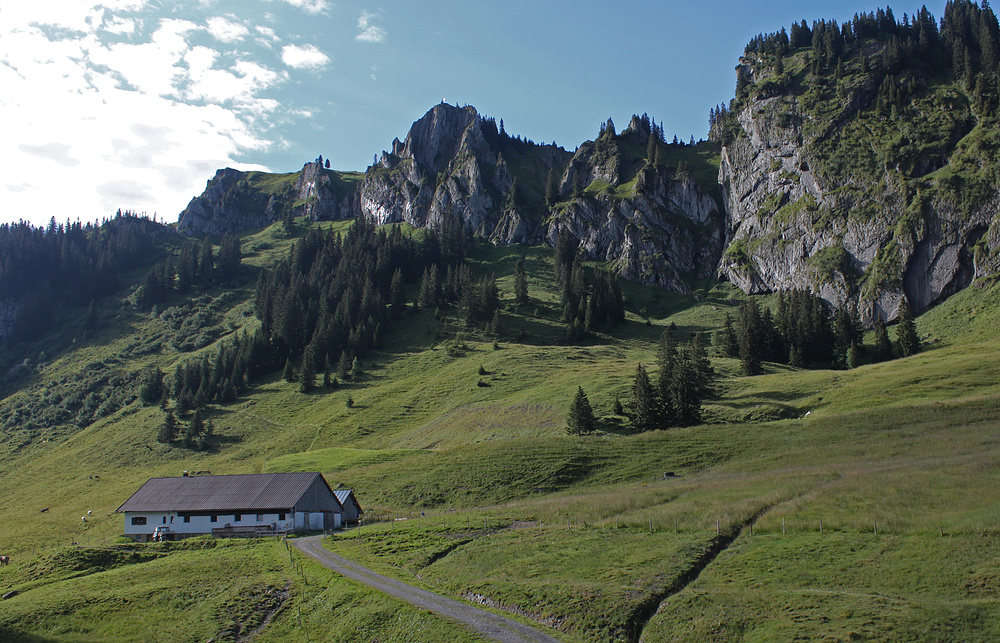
(7, 634)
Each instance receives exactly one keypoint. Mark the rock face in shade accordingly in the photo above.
(653, 225)
(234, 200)
(871, 241)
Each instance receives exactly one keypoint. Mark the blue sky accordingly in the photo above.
(134, 104)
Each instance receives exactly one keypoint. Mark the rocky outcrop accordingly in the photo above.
(789, 226)
(663, 230)
(452, 164)
(235, 200)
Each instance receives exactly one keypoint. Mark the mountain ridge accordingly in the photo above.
(855, 160)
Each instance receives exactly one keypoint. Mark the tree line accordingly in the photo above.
(44, 268)
(195, 265)
(966, 45)
(586, 304)
(324, 307)
(805, 332)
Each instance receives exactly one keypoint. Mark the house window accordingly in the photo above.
(138, 520)
(260, 517)
(238, 517)
(187, 518)
(164, 520)
(281, 516)
(214, 518)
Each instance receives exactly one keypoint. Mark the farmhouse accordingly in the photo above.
(226, 506)
(352, 510)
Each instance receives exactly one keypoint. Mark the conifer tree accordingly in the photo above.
(883, 346)
(581, 415)
(749, 337)
(551, 188)
(666, 361)
(307, 378)
(906, 331)
(520, 283)
(643, 401)
(167, 428)
(729, 345)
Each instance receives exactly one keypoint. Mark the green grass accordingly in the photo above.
(907, 446)
(196, 591)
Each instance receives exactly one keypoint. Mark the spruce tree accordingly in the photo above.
(729, 345)
(749, 336)
(551, 189)
(520, 283)
(643, 401)
(307, 378)
(289, 371)
(666, 359)
(883, 346)
(167, 428)
(581, 416)
(906, 331)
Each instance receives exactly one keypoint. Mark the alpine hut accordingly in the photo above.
(235, 505)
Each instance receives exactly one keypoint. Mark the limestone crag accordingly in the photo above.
(665, 236)
(787, 228)
(663, 231)
(234, 200)
(451, 164)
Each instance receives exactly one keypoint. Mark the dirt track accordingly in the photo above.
(490, 625)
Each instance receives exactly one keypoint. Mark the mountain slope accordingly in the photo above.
(858, 159)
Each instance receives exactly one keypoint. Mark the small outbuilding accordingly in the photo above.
(236, 505)
(352, 509)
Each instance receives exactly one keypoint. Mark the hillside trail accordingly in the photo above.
(492, 626)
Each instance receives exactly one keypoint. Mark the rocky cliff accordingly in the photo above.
(454, 162)
(652, 222)
(235, 200)
(867, 180)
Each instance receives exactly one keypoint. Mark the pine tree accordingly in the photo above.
(307, 378)
(551, 188)
(289, 371)
(167, 428)
(581, 415)
(906, 331)
(883, 346)
(854, 355)
(749, 336)
(151, 390)
(520, 284)
(643, 401)
(666, 361)
(729, 345)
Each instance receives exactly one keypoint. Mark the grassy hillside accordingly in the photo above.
(465, 438)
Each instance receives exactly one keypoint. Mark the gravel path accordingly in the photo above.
(490, 625)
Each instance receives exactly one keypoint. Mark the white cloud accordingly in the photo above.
(368, 32)
(226, 30)
(307, 57)
(138, 125)
(268, 36)
(309, 6)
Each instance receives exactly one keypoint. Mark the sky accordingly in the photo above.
(134, 104)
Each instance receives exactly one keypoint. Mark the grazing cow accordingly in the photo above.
(4, 560)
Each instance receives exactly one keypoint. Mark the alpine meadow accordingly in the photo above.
(738, 389)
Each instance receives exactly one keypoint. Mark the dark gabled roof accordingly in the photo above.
(343, 495)
(211, 493)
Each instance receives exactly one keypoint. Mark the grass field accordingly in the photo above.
(874, 517)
